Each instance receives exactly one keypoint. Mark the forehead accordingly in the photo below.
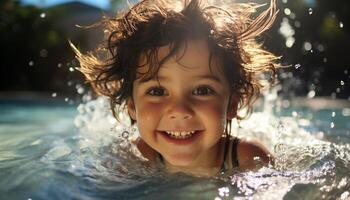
(192, 56)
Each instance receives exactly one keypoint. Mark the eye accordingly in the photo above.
(156, 91)
(203, 90)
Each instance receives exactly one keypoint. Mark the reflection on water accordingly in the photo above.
(53, 152)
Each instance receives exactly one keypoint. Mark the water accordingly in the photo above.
(56, 151)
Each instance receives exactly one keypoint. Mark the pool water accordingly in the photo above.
(57, 151)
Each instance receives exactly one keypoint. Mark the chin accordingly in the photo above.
(181, 160)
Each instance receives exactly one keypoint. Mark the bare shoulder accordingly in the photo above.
(252, 154)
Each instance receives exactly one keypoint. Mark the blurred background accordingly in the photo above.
(312, 36)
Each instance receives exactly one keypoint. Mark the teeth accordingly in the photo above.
(180, 134)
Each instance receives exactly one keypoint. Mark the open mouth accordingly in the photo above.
(181, 137)
(179, 134)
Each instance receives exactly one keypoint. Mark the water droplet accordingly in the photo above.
(54, 94)
(211, 32)
(287, 11)
(280, 129)
(345, 195)
(342, 83)
(332, 125)
(43, 53)
(224, 191)
(66, 99)
(292, 16)
(297, 24)
(325, 60)
(311, 94)
(31, 63)
(80, 90)
(297, 66)
(320, 47)
(134, 130)
(312, 86)
(43, 15)
(294, 114)
(337, 90)
(307, 46)
(310, 11)
(346, 71)
(71, 69)
(125, 134)
(346, 112)
(290, 41)
(59, 65)
(341, 25)
(333, 114)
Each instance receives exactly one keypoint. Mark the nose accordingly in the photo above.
(179, 110)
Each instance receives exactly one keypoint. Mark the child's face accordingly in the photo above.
(189, 98)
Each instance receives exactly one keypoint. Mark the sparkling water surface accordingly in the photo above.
(56, 151)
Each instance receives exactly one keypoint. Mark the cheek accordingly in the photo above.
(148, 114)
(214, 113)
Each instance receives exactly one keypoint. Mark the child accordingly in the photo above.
(183, 69)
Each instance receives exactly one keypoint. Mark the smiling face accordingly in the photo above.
(183, 116)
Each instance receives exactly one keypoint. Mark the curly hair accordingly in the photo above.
(229, 29)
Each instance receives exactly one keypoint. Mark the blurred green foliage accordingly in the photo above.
(32, 48)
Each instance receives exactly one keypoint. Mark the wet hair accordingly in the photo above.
(141, 30)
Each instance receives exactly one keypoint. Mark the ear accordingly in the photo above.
(232, 107)
(131, 108)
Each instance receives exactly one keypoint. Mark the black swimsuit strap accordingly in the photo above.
(234, 152)
(224, 166)
(227, 142)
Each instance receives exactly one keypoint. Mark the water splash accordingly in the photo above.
(307, 46)
(310, 11)
(31, 63)
(287, 11)
(107, 151)
(287, 32)
(311, 94)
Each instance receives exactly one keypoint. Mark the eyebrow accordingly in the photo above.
(207, 76)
